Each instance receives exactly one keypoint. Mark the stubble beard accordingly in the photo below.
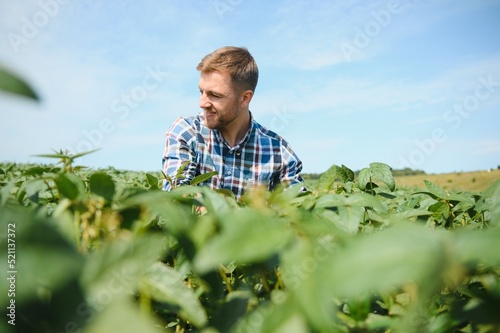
(215, 121)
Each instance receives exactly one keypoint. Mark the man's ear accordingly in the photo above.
(246, 97)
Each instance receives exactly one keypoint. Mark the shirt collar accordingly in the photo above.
(220, 138)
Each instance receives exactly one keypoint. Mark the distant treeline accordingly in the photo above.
(396, 173)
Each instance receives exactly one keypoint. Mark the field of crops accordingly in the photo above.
(108, 251)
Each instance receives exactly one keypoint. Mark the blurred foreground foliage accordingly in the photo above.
(109, 251)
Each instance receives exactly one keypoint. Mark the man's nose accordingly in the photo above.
(204, 101)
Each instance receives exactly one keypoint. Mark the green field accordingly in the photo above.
(459, 181)
(108, 251)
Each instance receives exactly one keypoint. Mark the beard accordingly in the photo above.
(216, 120)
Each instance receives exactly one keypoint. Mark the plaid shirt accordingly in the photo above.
(262, 157)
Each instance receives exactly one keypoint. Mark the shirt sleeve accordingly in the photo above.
(292, 166)
(179, 149)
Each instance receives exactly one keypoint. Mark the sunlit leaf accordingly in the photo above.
(203, 177)
(247, 237)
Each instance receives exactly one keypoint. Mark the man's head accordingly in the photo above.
(228, 77)
(237, 62)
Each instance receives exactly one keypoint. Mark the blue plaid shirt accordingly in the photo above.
(262, 157)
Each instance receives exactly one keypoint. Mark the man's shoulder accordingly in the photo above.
(192, 124)
(189, 121)
(264, 132)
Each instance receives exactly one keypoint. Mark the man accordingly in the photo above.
(225, 137)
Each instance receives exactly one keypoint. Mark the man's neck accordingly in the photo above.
(236, 131)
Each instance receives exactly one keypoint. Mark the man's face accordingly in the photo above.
(219, 99)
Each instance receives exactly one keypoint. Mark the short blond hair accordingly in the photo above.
(237, 61)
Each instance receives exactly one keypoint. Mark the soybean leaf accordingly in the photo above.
(364, 177)
(376, 171)
(152, 181)
(490, 201)
(300, 264)
(103, 185)
(11, 83)
(436, 190)
(164, 284)
(70, 185)
(382, 261)
(347, 174)
(116, 267)
(440, 211)
(203, 177)
(346, 218)
(477, 246)
(122, 315)
(45, 254)
(176, 218)
(248, 236)
(328, 178)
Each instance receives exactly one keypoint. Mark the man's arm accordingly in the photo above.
(179, 150)
(292, 166)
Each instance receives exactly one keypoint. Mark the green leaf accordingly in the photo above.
(66, 155)
(346, 218)
(11, 83)
(300, 265)
(5, 192)
(383, 172)
(116, 267)
(385, 260)
(376, 171)
(176, 217)
(179, 174)
(490, 201)
(42, 254)
(164, 284)
(70, 185)
(121, 315)
(248, 236)
(440, 211)
(364, 177)
(152, 181)
(436, 190)
(330, 200)
(203, 177)
(365, 200)
(103, 185)
(472, 246)
(281, 316)
(328, 178)
(347, 174)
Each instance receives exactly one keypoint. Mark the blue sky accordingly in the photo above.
(408, 83)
